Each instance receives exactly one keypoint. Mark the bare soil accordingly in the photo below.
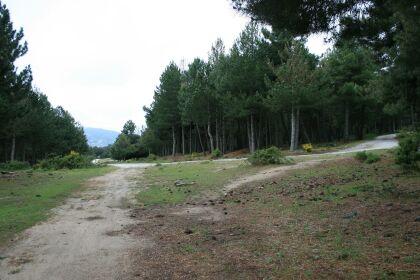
(291, 225)
(88, 238)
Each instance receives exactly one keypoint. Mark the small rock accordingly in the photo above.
(188, 231)
(350, 215)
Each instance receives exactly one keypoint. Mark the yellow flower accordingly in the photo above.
(307, 147)
(74, 153)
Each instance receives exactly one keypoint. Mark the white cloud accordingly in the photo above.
(101, 59)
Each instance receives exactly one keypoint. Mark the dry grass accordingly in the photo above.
(339, 220)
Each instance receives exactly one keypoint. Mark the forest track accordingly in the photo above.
(89, 236)
(382, 142)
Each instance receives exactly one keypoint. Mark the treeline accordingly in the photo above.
(268, 90)
(30, 128)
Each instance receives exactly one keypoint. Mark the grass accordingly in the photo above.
(342, 219)
(27, 196)
(198, 178)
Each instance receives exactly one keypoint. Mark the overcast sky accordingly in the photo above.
(101, 59)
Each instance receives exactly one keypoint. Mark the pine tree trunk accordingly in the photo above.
(183, 139)
(413, 115)
(12, 153)
(223, 136)
(190, 138)
(217, 134)
(346, 122)
(199, 138)
(173, 141)
(210, 136)
(293, 131)
(252, 134)
(297, 127)
(248, 134)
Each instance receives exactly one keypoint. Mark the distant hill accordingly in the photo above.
(98, 137)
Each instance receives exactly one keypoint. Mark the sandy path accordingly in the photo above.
(379, 143)
(83, 240)
(86, 238)
(270, 173)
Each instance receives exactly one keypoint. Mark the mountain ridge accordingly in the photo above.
(99, 137)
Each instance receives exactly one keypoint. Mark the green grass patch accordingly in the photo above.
(193, 179)
(27, 196)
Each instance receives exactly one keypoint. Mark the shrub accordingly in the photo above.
(15, 165)
(71, 161)
(371, 158)
(152, 157)
(196, 155)
(216, 153)
(370, 136)
(408, 153)
(271, 155)
(361, 156)
(307, 147)
(367, 157)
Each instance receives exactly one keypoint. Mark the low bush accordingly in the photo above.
(367, 157)
(307, 147)
(361, 156)
(73, 160)
(370, 136)
(216, 153)
(152, 157)
(15, 165)
(196, 155)
(371, 158)
(271, 155)
(408, 154)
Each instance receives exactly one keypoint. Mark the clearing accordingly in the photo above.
(323, 217)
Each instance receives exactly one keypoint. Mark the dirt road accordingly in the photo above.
(86, 238)
(89, 236)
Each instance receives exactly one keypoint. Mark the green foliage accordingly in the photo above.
(370, 136)
(216, 153)
(408, 153)
(152, 157)
(100, 152)
(367, 157)
(307, 147)
(269, 85)
(298, 17)
(73, 160)
(271, 155)
(361, 156)
(197, 178)
(129, 128)
(29, 197)
(128, 145)
(372, 158)
(30, 127)
(14, 165)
